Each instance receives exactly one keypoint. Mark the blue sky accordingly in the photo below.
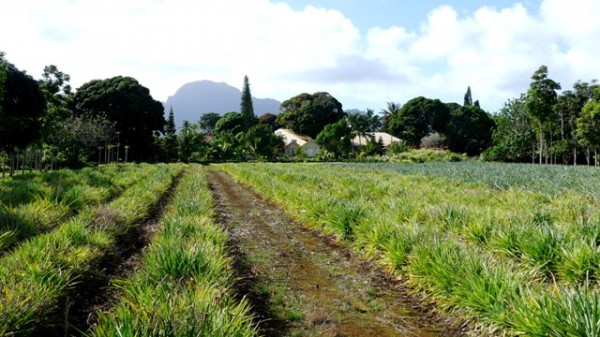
(410, 14)
(365, 53)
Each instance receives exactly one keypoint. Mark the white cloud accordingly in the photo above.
(166, 43)
(497, 50)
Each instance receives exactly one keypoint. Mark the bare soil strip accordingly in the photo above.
(304, 284)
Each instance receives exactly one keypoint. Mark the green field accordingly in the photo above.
(514, 247)
(511, 248)
(43, 276)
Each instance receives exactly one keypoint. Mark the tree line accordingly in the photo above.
(544, 126)
(44, 123)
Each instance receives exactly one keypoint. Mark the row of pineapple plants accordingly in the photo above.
(37, 275)
(34, 203)
(517, 261)
(183, 286)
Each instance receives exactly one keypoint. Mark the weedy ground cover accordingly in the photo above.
(515, 247)
(183, 284)
(34, 203)
(36, 276)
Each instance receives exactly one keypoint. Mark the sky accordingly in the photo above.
(363, 52)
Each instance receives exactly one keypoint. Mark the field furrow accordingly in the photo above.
(183, 284)
(38, 277)
(311, 286)
(518, 259)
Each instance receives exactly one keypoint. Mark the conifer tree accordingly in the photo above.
(170, 129)
(170, 140)
(247, 110)
(468, 97)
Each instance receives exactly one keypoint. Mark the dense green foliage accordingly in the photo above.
(45, 124)
(417, 118)
(336, 138)
(21, 107)
(309, 114)
(124, 101)
(551, 118)
(208, 121)
(541, 97)
(469, 130)
(519, 260)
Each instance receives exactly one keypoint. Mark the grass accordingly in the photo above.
(35, 203)
(37, 275)
(183, 286)
(512, 246)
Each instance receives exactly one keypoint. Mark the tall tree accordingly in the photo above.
(514, 136)
(20, 109)
(569, 106)
(309, 114)
(468, 97)
(588, 125)
(373, 120)
(391, 109)
(246, 107)
(126, 102)
(359, 124)
(541, 98)
(469, 130)
(2, 77)
(170, 128)
(170, 139)
(417, 118)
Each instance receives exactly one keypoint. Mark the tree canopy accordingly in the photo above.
(208, 121)
(469, 130)
(417, 118)
(123, 100)
(336, 138)
(232, 122)
(21, 108)
(309, 114)
(541, 98)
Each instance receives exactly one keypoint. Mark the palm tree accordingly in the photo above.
(359, 124)
(373, 121)
(391, 109)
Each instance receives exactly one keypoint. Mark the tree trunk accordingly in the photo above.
(587, 156)
(541, 143)
(12, 163)
(574, 156)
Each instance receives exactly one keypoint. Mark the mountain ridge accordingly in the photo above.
(194, 99)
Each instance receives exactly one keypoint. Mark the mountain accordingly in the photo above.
(196, 98)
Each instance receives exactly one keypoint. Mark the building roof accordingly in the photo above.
(386, 139)
(290, 136)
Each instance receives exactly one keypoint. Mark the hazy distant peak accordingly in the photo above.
(193, 99)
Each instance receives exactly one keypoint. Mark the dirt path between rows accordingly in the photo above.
(303, 284)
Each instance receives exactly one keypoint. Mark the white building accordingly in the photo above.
(294, 141)
(386, 139)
